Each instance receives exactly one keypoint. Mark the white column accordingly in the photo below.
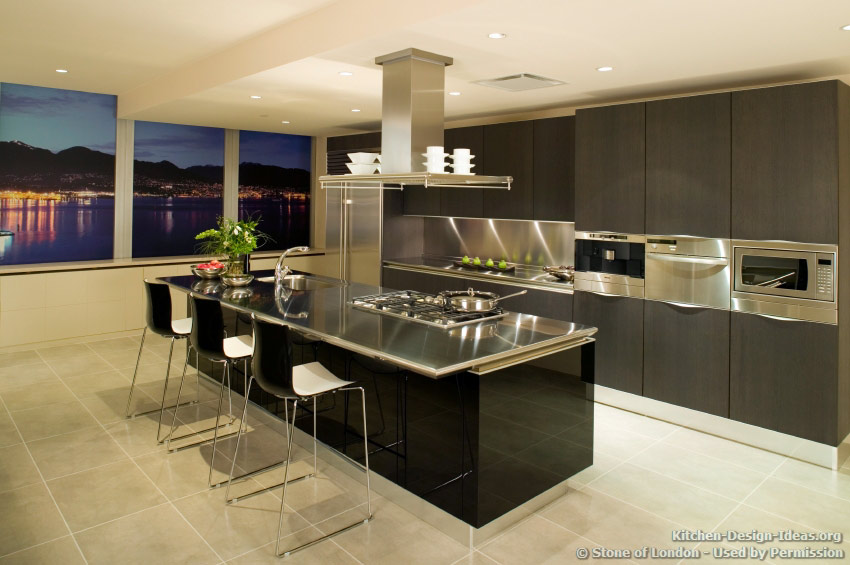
(231, 173)
(124, 140)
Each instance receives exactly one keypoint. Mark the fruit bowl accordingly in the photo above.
(210, 270)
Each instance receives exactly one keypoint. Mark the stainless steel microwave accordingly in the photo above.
(785, 279)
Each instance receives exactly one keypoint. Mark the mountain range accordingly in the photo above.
(46, 170)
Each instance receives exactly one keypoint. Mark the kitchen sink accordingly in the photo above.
(301, 282)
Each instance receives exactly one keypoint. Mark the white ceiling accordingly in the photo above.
(198, 62)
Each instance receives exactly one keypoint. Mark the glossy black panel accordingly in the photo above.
(158, 308)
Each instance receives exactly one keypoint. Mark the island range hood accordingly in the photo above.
(413, 101)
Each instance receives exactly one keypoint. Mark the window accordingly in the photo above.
(274, 185)
(57, 175)
(178, 173)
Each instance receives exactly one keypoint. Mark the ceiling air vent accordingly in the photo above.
(522, 81)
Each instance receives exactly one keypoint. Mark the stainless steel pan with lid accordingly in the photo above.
(471, 300)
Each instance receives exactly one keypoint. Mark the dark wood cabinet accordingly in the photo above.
(401, 279)
(554, 169)
(619, 341)
(464, 202)
(688, 166)
(509, 150)
(784, 376)
(610, 155)
(686, 357)
(785, 162)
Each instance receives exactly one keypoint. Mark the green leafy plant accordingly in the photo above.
(232, 238)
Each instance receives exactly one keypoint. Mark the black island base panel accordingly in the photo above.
(474, 446)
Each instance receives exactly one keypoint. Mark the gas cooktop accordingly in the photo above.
(421, 307)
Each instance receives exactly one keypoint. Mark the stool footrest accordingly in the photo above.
(264, 489)
(201, 441)
(157, 409)
(324, 537)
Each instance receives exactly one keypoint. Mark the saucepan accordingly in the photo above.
(471, 300)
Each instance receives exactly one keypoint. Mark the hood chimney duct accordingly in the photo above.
(412, 109)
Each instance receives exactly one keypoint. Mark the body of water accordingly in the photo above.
(47, 231)
(167, 226)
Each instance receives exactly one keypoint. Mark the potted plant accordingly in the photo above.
(234, 240)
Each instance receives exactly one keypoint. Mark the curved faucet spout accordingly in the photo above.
(281, 270)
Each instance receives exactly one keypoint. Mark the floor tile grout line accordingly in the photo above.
(727, 461)
(47, 488)
(167, 501)
(17, 551)
(688, 483)
(623, 461)
(580, 536)
(818, 491)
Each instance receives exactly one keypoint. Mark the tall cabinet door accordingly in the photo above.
(619, 341)
(785, 163)
(784, 376)
(464, 202)
(610, 168)
(554, 169)
(688, 166)
(686, 356)
(509, 150)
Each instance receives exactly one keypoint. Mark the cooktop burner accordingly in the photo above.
(420, 307)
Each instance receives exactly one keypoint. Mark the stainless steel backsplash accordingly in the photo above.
(518, 241)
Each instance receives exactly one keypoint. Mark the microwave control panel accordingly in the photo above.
(825, 275)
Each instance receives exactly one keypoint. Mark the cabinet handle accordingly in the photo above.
(598, 293)
(683, 259)
(780, 318)
(685, 305)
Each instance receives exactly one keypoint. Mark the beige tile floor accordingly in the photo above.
(79, 483)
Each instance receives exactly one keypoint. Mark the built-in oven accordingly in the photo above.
(786, 279)
(691, 271)
(610, 263)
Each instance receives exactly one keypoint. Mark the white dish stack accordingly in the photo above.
(435, 159)
(364, 163)
(462, 162)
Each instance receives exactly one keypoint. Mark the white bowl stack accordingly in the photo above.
(436, 159)
(364, 163)
(462, 164)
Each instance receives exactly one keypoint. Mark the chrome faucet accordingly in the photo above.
(281, 270)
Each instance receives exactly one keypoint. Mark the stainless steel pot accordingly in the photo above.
(472, 300)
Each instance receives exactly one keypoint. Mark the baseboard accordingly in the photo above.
(71, 340)
(762, 438)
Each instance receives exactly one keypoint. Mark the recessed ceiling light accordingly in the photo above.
(255, 97)
(61, 70)
(284, 121)
(355, 109)
(846, 28)
(497, 36)
(345, 73)
(455, 93)
(605, 69)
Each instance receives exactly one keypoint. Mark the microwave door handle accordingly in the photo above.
(684, 259)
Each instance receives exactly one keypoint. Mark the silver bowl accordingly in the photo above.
(237, 280)
(207, 273)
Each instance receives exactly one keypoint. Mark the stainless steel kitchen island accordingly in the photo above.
(468, 422)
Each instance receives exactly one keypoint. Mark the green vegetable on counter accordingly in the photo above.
(476, 261)
(489, 263)
(466, 259)
(503, 264)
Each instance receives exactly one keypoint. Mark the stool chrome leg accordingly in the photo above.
(136, 371)
(165, 388)
(368, 486)
(285, 476)
(218, 418)
(174, 418)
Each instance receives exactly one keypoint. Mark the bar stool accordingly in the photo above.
(209, 340)
(273, 370)
(159, 321)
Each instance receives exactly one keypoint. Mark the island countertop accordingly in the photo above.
(434, 352)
